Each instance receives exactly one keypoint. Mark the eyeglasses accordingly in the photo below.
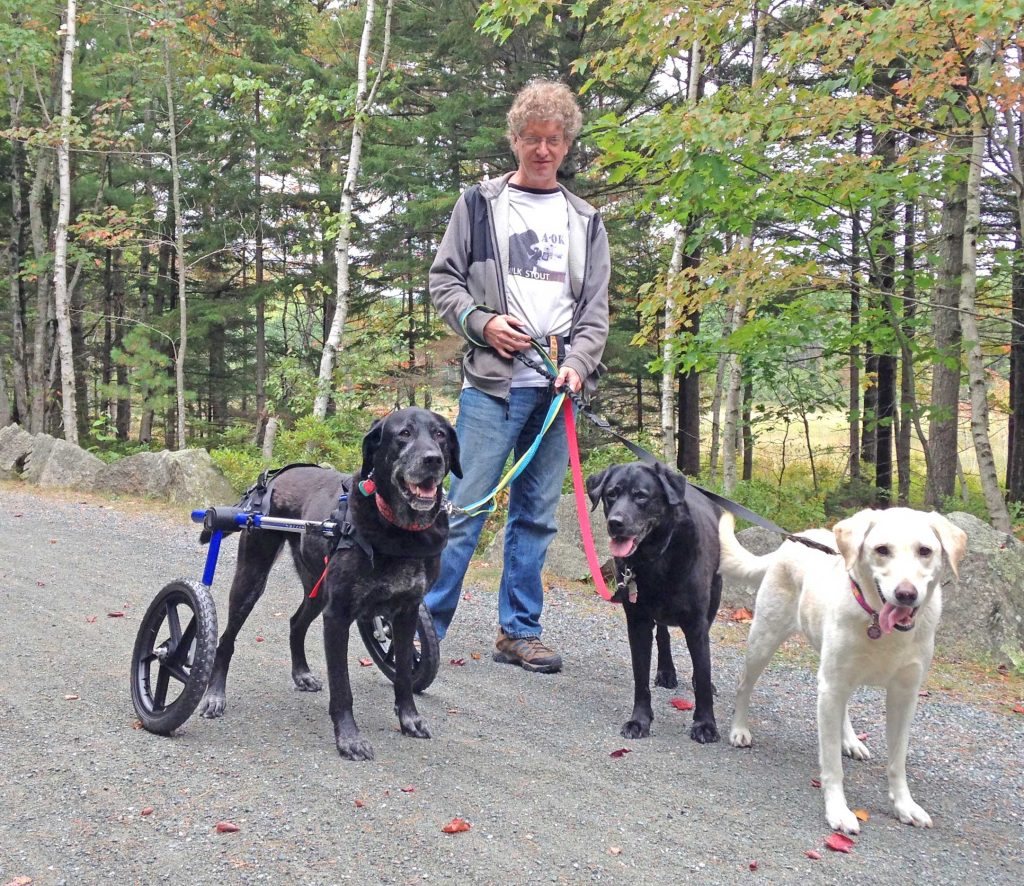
(532, 141)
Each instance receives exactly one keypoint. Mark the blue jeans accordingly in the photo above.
(487, 434)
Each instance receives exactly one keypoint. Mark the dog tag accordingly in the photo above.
(874, 631)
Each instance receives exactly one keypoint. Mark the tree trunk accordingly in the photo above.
(856, 416)
(1015, 428)
(363, 102)
(261, 299)
(62, 302)
(748, 431)
(15, 252)
(978, 381)
(179, 251)
(908, 398)
(945, 393)
(668, 369)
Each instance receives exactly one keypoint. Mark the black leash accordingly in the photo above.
(644, 455)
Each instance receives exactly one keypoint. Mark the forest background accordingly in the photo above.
(220, 217)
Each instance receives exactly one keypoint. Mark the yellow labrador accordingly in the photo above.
(871, 612)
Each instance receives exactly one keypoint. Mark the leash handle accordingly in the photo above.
(581, 506)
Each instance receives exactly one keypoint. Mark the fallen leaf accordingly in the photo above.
(53, 541)
(752, 866)
(1018, 708)
(115, 615)
(146, 810)
(681, 704)
(259, 639)
(408, 789)
(454, 711)
(815, 783)
(615, 850)
(743, 614)
(458, 662)
(621, 752)
(359, 803)
(70, 698)
(475, 656)
(456, 826)
(365, 662)
(863, 736)
(136, 724)
(924, 693)
(1003, 669)
(838, 842)
(226, 827)
(862, 814)
(90, 619)
(40, 584)
(19, 881)
(814, 854)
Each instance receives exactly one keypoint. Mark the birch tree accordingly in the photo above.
(61, 295)
(363, 102)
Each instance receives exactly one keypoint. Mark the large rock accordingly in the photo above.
(35, 461)
(67, 466)
(15, 445)
(186, 477)
(565, 558)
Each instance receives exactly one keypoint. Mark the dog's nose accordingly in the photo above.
(615, 526)
(433, 462)
(906, 593)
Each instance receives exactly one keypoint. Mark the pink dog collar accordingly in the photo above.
(874, 629)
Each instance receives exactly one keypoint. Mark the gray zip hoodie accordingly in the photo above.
(467, 283)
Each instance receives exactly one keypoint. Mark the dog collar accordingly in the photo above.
(367, 487)
(874, 629)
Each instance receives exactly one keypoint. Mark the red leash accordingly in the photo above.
(581, 504)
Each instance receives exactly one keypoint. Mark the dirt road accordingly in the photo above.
(524, 758)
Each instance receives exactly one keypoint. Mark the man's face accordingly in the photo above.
(540, 148)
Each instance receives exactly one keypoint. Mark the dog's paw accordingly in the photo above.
(856, 749)
(740, 738)
(704, 733)
(414, 726)
(910, 813)
(213, 706)
(306, 682)
(666, 679)
(840, 818)
(355, 748)
(635, 729)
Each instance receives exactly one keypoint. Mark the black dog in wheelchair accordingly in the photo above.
(392, 531)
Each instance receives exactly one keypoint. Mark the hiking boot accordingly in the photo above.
(527, 652)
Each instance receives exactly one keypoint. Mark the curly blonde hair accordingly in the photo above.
(545, 100)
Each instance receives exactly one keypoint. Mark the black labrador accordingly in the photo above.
(663, 535)
(399, 528)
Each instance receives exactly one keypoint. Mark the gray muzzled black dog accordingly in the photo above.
(664, 534)
(402, 530)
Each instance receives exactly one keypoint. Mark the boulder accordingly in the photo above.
(143, 474)
(67, 465)
(15, 445)
(35, 461)
(193, 478)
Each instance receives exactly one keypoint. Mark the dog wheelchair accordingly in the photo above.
(176, 643)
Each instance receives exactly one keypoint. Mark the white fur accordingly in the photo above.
(801, 589)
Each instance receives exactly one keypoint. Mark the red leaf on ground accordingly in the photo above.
(359, 803)
(365, 662)
(813, 854)
(259, 639)
(752, 865)
(621, 752)
(146, 810)
(815, 783)
(681, 704)
(90, 619)
(863, 736)
(40, 584)
(226, 827)
(1018, 708)
(924, 693)
(456, 826)
(408, 789)
(115, 615)
(838, 842)
(458, 662)
(743, 614)
(19, 881)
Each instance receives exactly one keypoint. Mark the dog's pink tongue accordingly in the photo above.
(423, 490)
(621, 547)
(890, 615)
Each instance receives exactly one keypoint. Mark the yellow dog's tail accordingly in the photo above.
(737, 563)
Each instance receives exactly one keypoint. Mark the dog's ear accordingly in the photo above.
(371, 442)
(953, 538)
(454, 465)
(673, 483)
(850, 534)
(595, 486)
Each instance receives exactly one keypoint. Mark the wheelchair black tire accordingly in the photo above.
(426, 659)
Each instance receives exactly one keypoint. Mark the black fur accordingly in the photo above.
(675, 562)
(410, 446)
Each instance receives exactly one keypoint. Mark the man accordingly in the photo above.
(521, 258)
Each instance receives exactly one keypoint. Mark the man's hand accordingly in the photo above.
(569, 376)
(503, 332)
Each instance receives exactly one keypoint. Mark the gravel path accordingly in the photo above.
(524, 758)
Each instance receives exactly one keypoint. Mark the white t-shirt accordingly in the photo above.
(537, 285)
